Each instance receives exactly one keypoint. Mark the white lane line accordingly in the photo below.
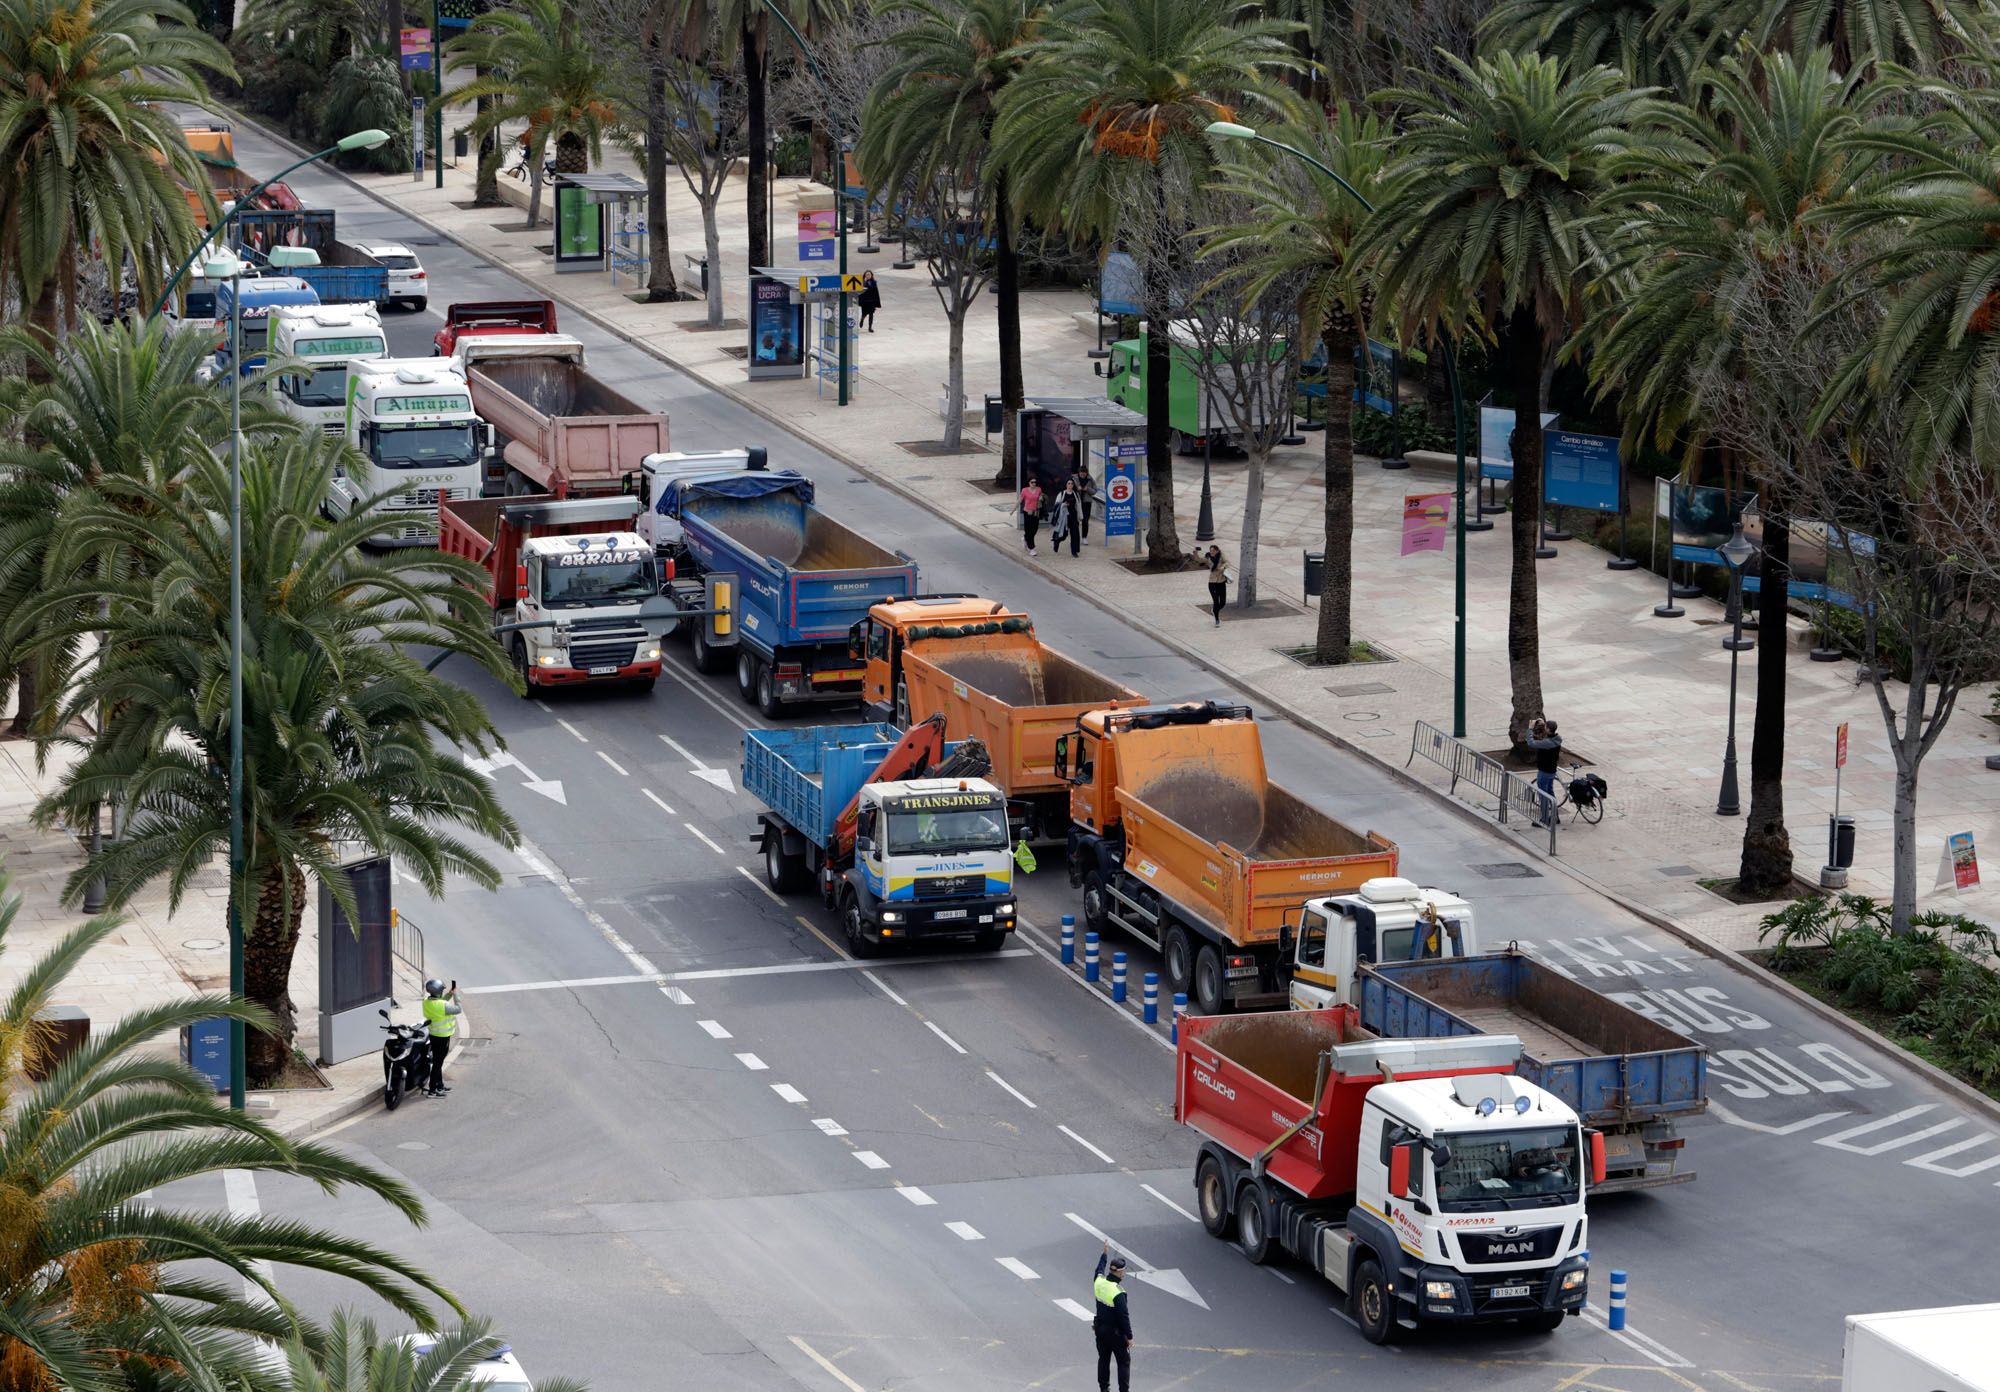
(1280, 1275)
(1843, 1140)
(657, 803)
(1019, 1268)
(701, 691)
(932, 1027)
(788, 1093)
(572, 729)
(830, 1126)
(1036, 947)
(1632, 1339)
(1014, 1092)
(677, 995)
(871, 1159)
(567, 984)
(616, 767)
(703, 837)
(543, 707)
(1086, 1145)
(826, 1364)
(532, 858)
(714, 1028)
(965, 1232)
(883, 987)
(1073, 1308)
(752, 1062)
(239, 1190)
(769, 893)
(1170, 1203)
(916, 1196)
(1929, 1160)
(1723, 1113)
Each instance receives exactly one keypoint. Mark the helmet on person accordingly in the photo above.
(434, 987)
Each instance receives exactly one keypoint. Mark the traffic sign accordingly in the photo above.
(829, 284)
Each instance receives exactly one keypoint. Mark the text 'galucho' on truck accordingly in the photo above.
(1178, 837)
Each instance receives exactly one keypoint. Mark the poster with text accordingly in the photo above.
(817, 235)
(777, 326)
(1582, 471)
(1121, 486)
(1426, 518)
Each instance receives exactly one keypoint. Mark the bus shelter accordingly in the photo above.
(1056, 435)
(796, 326)
(601, 225)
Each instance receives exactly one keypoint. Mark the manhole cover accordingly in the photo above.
(1506, 870)
(1679, 871)
(1360, 717)
(204, 944)
(413, 1145)
(530, 881)
(1363, 689)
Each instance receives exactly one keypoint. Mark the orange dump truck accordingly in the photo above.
(1179, 837)
(979, 665)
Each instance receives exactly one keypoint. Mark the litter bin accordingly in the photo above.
(996, 416)
(64, 1029)
(460, 145)
(1840, 842)
(205, 1049)
(1315, 574)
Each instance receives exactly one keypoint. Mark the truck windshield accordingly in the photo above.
(936, 833)
(422, 446)
(1492, 1170)
(325, 387)
(623, 577)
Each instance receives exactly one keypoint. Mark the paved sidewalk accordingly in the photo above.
(1644, 699)
(156, 956)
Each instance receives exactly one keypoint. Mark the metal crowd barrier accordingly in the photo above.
(1518, 802)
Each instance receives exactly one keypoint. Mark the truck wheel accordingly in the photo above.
(1546, 1322)
(1211, 1191)
(521, 668)
(1177, 954)
(781, 870)
(699, 652)
(1208, 997)
(1374, 1304)
(1253, 1227)
(767, 693)
(902, 704)
(1096, 904)
(859, 941)
(746, 676)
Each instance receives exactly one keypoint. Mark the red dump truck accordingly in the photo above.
(490, 318)
(980, 665)
(1421, 1177)
(562, 430)
(1179, 837)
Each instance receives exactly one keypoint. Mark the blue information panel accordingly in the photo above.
(1496, 441)
(1121, 485)
(1582, 471)
(1703, 519)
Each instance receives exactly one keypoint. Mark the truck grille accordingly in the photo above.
(950, 886)
(1536, 1244)
(428, 497)
(333, 428)
(601, 654)
(1484, 1301)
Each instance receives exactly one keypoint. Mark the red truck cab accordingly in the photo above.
(483, 317)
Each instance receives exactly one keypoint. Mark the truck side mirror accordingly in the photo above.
(1596, 1158)
(1399, 1171)
(1287, 940)
(1062, 757)
(856, 644)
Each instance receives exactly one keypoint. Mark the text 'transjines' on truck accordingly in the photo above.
(1419, 1176)
(1178, 837)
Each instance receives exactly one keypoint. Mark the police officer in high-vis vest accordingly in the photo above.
(441, 1012)
(1112, 1322)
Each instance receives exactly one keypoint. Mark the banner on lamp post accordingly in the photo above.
(416, 50)
(1426, 518)
(817, 235)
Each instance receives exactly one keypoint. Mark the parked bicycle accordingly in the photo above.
(1584, 794)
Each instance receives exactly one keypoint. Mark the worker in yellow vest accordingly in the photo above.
(441, 1012)
(1112, 1322)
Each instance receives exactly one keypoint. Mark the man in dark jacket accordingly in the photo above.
(1112, 1322)
(1547, 744)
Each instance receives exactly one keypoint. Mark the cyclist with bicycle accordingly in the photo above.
(1547, 744)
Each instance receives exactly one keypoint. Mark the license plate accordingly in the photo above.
(942, 914)
(604, 671)
(1503, 1292)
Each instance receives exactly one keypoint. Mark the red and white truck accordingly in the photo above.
(488, 318)
(1421, 1177)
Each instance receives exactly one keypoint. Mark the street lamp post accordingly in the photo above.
(1229, 130)
(360, 140)
(1737, 552)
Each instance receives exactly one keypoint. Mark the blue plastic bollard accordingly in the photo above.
(1180, 1009)
(1118, 977)
(1090, 956)
(1149, 996)
(1068, 938)
(1617, 1319)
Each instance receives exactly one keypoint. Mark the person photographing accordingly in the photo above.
(441, 1012)
(1112, 1321)
(1547, 745)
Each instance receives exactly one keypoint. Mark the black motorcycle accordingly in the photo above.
(406, 1060)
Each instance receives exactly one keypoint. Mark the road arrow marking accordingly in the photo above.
(550, 788)
(719, 777)
(1168, 1279)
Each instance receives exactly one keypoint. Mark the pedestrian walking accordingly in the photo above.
(1062, 520)
(441, 1012)
(1547, 744)
(1031, 512)
(871, 300)
(1218, 582)
(1112, 1323)
(1084, 499)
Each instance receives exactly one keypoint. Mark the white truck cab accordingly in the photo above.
(413, 421)
(326, 339)
(599, 589)
(1386, 920)
(660, 470)
(931, 854)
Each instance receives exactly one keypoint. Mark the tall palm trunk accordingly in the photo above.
(660, 270)
(1524, 642)
(1163, 542)
(1767, 845)
(268, 944)
(753, 38)
(1007, 299)
(486, 191)
(1336, 600)
(44, 319)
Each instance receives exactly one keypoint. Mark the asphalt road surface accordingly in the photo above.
(698, 1147)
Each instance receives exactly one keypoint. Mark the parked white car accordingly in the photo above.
(407, 282)
(499, 1371)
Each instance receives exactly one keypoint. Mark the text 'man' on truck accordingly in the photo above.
(1419, 1176)
(412, 421)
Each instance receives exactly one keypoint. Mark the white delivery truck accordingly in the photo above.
(413, 421)
(1955, 1348)
(326, 339)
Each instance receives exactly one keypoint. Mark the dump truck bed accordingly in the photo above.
(807, 774)
(563, 428)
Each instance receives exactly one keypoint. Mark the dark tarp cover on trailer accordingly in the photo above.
(745, 485)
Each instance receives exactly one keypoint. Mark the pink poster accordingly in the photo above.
(1425, 518)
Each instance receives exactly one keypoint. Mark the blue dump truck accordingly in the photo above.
(1625, 1075)
(901, 848)
(801, 580)
(301, 242)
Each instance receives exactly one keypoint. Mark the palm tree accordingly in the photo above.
(1623, 34)
(1726, 194)
(1103, 127)
(535, 65)
(348, 739)
(1487, 216)
(1927, 35)
(354, 1357)
(93, 1276)
(1305, 226)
